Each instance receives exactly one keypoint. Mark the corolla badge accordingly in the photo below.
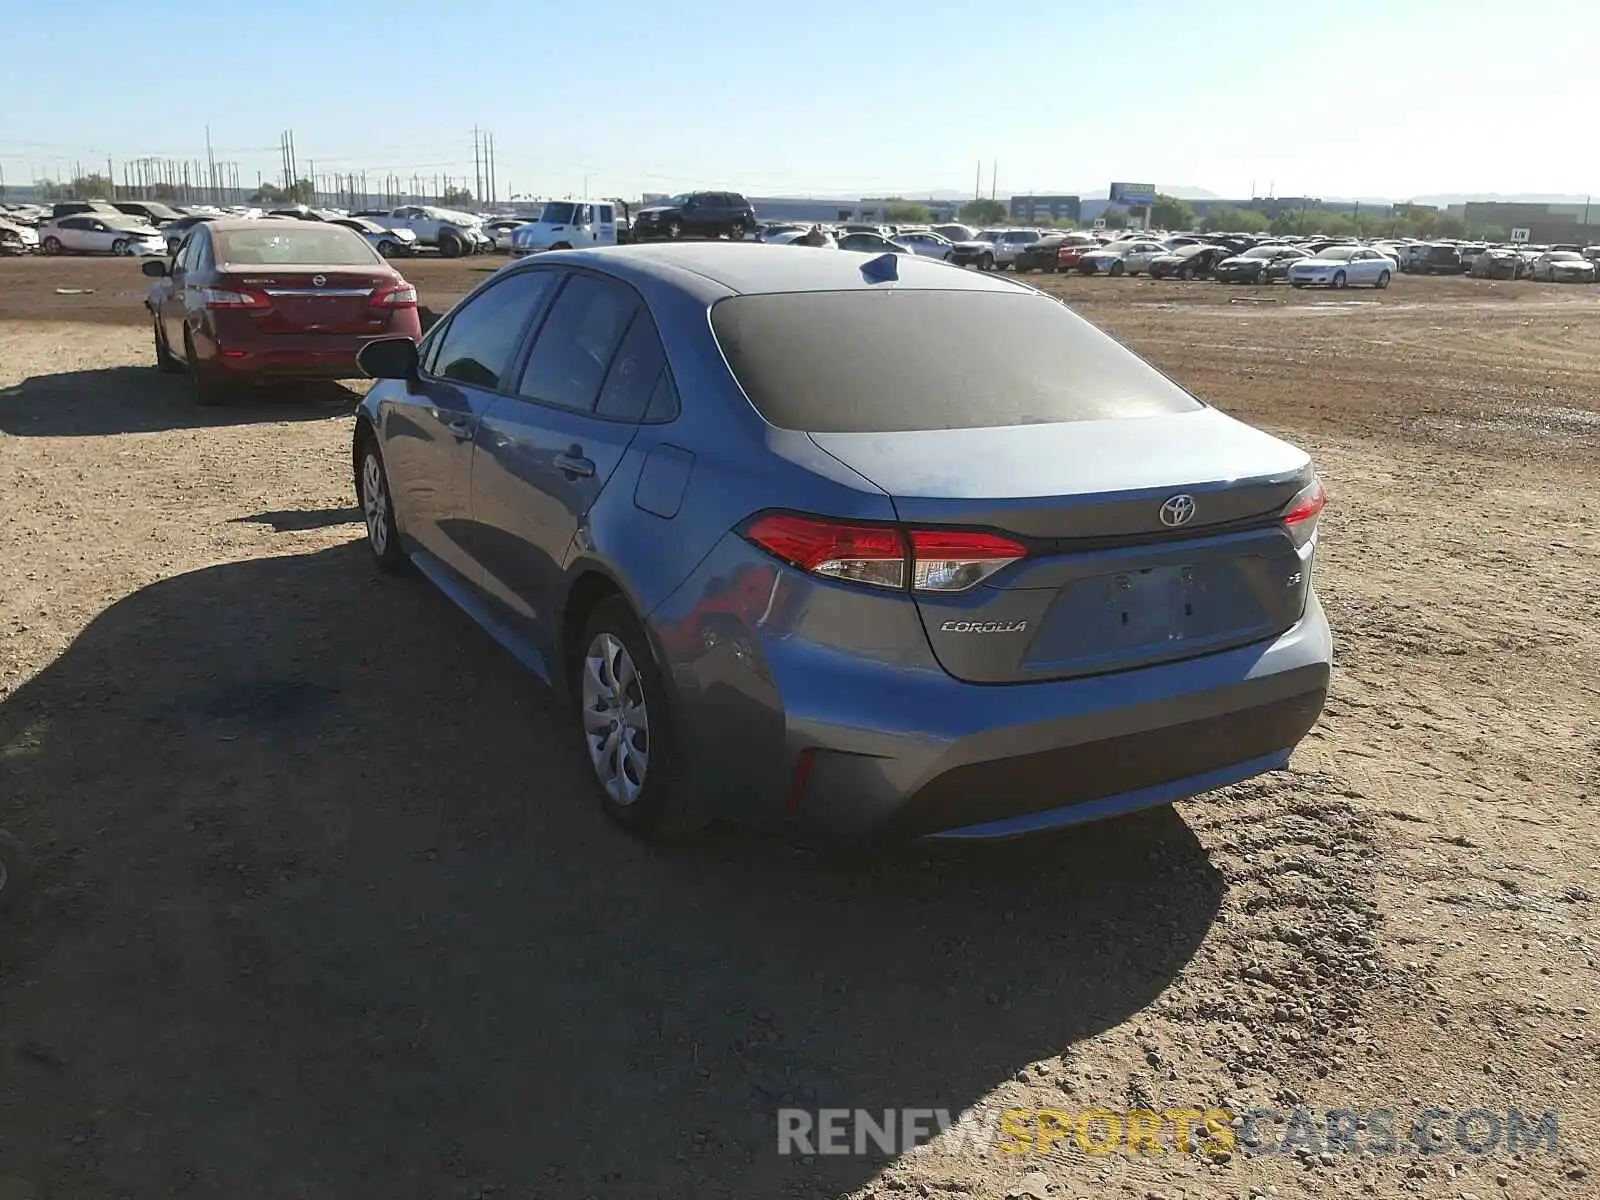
(983, 627)
(1177, 510)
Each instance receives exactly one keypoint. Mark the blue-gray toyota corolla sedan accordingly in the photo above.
(849, 544)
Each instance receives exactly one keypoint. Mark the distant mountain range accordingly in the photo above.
(1186, 192)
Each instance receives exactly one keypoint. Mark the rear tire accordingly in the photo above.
(986, 262)
(1383, 280)
(1117, 268)
(51, 245)
(1339, 280)
(209, 392)
(624, 724)
(166, 361)
(674, 230)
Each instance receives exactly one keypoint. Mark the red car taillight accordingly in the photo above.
(1304, 511)
(926, 560)
(224, 298)
(399, 294)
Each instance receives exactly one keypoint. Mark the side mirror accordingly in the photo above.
(154, 268)
(389, 358)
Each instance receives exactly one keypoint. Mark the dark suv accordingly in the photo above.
(696, 214)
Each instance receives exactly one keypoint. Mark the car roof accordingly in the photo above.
(754, 268)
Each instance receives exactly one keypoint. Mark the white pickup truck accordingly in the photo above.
(453, 234)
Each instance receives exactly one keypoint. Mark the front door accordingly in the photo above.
(428, 430)
(545, 453)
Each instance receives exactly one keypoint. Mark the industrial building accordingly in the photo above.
(831, 209)
(1031, 208)
(1544, 224)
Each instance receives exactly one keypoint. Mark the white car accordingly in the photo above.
(929, 245)
(1342, 266)
(1125, 257)
(452, 233)
(500, 229)
(16, 238)
(391, 243)
(101, 233)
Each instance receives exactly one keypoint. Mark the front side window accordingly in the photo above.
(483, 335)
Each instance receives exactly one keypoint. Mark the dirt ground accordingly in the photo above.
(322, 909)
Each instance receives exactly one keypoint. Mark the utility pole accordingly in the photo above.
(477, 171)
(994, 180)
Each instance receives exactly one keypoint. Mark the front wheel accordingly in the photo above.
(451, 246)
(121, 247)
(377, 509)
(674, 230)
(625, 723)
(1117, 268)
(1339, 279)
(388, 249)
(51, 245)
(1383, 280)
(986, 262)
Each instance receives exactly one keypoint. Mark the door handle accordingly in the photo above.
(573, 463)
(459, 429)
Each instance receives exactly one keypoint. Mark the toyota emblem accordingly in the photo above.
(319, 280)
(1177, 510)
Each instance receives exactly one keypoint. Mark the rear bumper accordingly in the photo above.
(312, 356)
(779, 730)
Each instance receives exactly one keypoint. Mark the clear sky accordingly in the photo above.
(1386, 98)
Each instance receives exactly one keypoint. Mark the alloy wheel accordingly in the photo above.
(375, 503)
(616, 720)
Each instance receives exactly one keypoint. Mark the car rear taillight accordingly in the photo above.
(399, 294)
(926, 560)
(953, 560)
(1300, 519)
(225, 298)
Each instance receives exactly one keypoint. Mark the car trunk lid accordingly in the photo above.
(1108, 582)
(302, 300)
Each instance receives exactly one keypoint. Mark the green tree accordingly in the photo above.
(1490, 233)
(84, 187)
(1234, 220)
(1045, 221)
(1169, 212)
(456, 197)
(1114, 219)
(270, 193)
(1450, 226)
(904, 212)
(983, 211)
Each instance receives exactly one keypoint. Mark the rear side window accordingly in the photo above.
(577, 343)
(894, 361)
(635, 371)
(483, 334)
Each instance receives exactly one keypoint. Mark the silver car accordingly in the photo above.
(848, 543)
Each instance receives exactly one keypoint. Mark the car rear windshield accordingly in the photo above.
(304, 244)
(893, 361)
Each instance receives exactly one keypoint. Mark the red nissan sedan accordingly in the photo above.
(246, 300)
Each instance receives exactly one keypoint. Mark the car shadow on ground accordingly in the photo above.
(298, 520)
(324, 909)
(145, 400)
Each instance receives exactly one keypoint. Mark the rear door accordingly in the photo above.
(545, 452)
(428, 428)
(605, 224)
